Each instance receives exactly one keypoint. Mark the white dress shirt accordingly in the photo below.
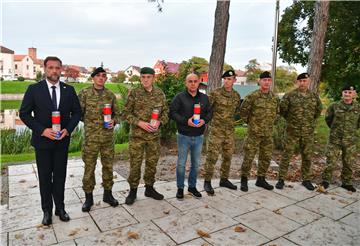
(57, 91)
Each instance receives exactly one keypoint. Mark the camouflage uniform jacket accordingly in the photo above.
(300, 111)
(259, 111)
(92, 104)
(225, 105)
(139, 106)
(343, 120)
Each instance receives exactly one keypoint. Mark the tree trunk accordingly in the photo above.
(219, 44)
(318, 43)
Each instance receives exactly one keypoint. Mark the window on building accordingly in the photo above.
(15, 66)
(34, 70)
(27, 67)
(27, 59)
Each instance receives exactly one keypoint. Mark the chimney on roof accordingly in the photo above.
(32, 53)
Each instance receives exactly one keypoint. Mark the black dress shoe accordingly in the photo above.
(227, 184)
(47, 219)
(63, 216)
(194, 192)
(180, 194)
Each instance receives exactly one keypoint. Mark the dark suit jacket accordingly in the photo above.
(37, 99)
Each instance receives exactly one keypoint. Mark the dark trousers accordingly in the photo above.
(51, 165)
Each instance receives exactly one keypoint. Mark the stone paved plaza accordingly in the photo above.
(293, 216)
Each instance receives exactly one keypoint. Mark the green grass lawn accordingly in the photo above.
(12, 104)
(19, 87)
(27, 157)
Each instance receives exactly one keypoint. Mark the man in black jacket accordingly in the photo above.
(191, 128)
(51, 148)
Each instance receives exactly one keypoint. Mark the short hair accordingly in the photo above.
(52, 58)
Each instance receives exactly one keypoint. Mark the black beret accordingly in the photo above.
(228, 73)
(349, 88)
(303, 76)
(147, 70)
(96, 71)
(265, 75)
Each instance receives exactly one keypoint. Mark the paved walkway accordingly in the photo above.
(293, 216)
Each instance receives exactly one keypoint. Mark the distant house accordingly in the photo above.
(6, 63)
(204, 77)
(28, 65)
(162, 67)
(83, 77)
(240, 77)
(132, 70)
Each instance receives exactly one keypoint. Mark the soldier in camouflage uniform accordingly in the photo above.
(144, 137)
(259, 111)
(343, 118)
(97, 137)
(300, 108)
(225, 102)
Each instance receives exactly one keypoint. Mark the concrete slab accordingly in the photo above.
(269, 199)
(67, 243)
(187, 203)
(26, 178)
(299, 214)
(149, 209)
(229, 203)
(74, 229)
(248, 237)
(268, 223)
(354, 207)
(352, 220)
(344, 193)
(18, 189)
(22, 218)
(74, 211)
(4, 239)
(20, 169)
(324, 231)
(280, 242)
(112, 218)
(327, 205)
(147, 233)
(32, 236)
(196, 242)
(295, 191)
(178, 227)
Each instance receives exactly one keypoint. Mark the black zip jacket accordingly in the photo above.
(182, 108)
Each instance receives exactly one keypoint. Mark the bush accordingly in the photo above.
(16, 143)
(20, 78)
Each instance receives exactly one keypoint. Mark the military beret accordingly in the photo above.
(265, 75)
(147, 70)
(349, 88)
(303, 76)
(228, 73)
(96, 71)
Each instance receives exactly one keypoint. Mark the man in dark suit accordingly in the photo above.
(51, 151)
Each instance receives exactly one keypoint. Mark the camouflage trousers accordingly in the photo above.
(137, 148)
(253, 144)
(306, 144)
(217, 144)
(333, 153)
(90, 153)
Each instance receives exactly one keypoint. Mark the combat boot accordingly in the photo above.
(89, 201)
(261, 182)
(108, 198)
(151, 192)
(348, 187)
(208, 188)
(308, 185)
(244, 184)
(227, 184)
(280, 184)
(130, 199)
(325, 184)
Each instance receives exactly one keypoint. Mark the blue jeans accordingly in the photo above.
(186, 144)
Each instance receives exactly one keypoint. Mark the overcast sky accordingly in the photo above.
(122, 33)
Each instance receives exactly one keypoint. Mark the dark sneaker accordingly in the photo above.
(308, 185)
(348, 187)
(208, 188)
(244, 184)
(280, 184)
(194, 192)
(261, 182)
(180, 194)
(325, 184)
(151, 192)
(226, 183)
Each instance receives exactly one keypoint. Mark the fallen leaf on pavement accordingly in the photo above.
(133, 235)
(277, 211)
(239, 229)
(74, 232)
(41, 236)
(166, 211)
(203, 234)
(321, 189)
